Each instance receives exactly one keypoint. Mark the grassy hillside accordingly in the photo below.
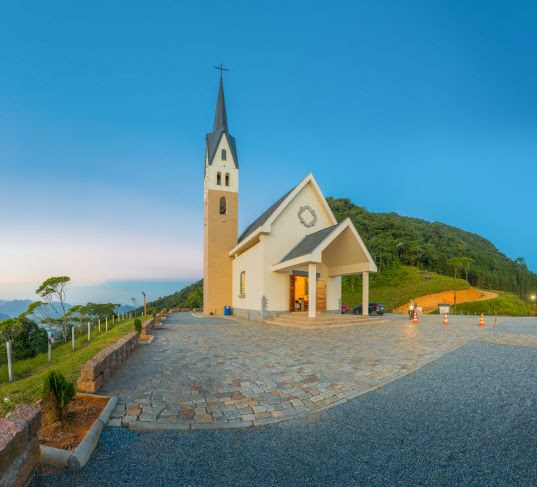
(188, 297)
(29, 374)
(393, 239)
(506, 304)
(397, 285)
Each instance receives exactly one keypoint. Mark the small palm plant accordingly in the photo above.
(138, 325)
(57, 393)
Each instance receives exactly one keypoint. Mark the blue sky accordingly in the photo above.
(423, 108)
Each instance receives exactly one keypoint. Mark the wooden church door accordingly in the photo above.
(321, 295)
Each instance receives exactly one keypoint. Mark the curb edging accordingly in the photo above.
(76, 459)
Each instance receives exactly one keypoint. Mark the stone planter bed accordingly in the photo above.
(71, 444)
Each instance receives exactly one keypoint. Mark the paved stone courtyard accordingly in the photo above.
(205, 373)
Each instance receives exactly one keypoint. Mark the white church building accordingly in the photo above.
(289, 259)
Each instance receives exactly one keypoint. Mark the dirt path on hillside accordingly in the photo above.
(431, 301)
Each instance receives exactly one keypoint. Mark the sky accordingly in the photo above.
(428, 109)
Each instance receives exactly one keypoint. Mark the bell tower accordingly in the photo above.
(221, 194)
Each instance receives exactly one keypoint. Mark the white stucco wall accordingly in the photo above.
(251, 262)
(286, 232)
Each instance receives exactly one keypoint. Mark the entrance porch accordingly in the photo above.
(338, 251)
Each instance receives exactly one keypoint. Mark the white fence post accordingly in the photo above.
(99, 325)
(106, 324)
(73, 337)
(49, 346)
(89, 331)
(9, 361)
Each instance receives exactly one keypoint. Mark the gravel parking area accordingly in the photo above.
(467, 419)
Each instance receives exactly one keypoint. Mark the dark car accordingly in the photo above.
(374, 309)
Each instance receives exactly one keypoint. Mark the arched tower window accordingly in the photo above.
(224, 154)
(218, 179)
(222, 205)
(242, 284)
(227, 179)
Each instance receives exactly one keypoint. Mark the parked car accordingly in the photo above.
(374, 309)
(344, 308)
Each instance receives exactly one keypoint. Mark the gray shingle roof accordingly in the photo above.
(309, 243)
(261, 219)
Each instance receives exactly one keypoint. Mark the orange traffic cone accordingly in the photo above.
(482, 320)
(445, 322)
(415, 318)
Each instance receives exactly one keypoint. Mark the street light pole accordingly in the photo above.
(145, 303)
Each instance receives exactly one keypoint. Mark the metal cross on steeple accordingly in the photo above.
(222, 69)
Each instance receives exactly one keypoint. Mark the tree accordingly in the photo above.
(466, 263)
(11, 327)
(54, 291)
(195, 298)
(456, 264)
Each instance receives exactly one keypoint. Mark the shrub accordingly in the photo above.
(138, 325)
(57, 393)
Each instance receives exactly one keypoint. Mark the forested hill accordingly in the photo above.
(393, 239)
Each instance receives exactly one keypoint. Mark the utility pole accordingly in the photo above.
(145, 303)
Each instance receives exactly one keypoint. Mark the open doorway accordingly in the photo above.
(298, 293)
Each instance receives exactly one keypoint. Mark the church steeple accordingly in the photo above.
(221, 203)
(220, 117)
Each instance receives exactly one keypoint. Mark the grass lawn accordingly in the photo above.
(29, 373)
(398, 285)
(506, 304)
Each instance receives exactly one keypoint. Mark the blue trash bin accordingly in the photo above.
(227, 310)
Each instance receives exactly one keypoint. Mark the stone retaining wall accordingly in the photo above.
(19, 445)
(96, 371)
(147, 325)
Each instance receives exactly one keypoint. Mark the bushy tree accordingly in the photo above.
(53, 292)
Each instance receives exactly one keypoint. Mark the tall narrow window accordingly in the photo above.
(242, 286)
(224, 154)
(227, 179)
(218, 179)
(222, 205)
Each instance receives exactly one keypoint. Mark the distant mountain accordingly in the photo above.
(124, 308)
(14, 308)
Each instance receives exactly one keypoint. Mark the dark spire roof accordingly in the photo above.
(220, 117)
(220, 129)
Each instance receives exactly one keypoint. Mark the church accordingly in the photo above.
(289, 259)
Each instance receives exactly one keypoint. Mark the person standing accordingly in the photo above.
(411, 307)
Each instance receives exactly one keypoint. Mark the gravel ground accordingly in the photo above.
(523, 326)
(467, 419)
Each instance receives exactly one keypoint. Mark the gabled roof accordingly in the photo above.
(311, 248)
(309, 243)
(213, 141)
(262, 223)
(219, 129)
(261, 219)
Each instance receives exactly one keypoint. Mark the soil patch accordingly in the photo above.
(431, 301)
(80, 415)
